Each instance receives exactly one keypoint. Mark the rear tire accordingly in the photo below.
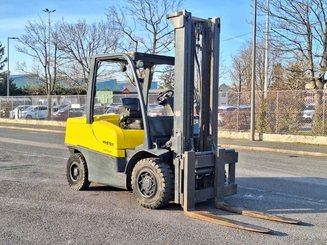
(77, 173)
(152, 183)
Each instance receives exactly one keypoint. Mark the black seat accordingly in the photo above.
(130, 114)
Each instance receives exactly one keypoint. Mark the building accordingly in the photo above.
(224, 90)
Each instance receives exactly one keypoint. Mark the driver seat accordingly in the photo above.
(130, 114)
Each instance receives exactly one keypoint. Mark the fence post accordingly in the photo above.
(12, 106)
(323, 114)
(238, 110)
(277, 110)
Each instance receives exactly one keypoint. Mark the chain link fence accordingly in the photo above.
(63, 107)
(279, 112)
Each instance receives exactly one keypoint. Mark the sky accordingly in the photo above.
(236, 18)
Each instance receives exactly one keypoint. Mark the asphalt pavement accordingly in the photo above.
(38, 207)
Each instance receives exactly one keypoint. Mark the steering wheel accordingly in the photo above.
(164, 96)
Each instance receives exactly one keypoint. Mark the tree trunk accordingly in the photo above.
(49, 99)
(318, 113)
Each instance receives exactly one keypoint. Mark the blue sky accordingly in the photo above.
(236, 17)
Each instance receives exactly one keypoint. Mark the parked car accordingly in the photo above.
(17, 112)
(113, 108)
(35, 112)
(65, 113)
(60, 107)
(229, 112)
(308, 113)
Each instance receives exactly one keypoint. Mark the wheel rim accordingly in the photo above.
(147, 184)
(74, 171)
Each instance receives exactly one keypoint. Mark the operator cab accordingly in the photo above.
(140, 108)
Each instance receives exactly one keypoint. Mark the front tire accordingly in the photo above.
(77, 173)
(152, 183)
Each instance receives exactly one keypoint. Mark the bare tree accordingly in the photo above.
(35, 43)
(2, 60)
(241, 71)
(167, 77)
(144, 24)
(79, 41)
(299, 31)
(289, 76)
(282, 75)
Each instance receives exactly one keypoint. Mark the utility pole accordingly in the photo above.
(8, 70)
(48, 75)
(49, 45)
(254, 46)
(267, 50)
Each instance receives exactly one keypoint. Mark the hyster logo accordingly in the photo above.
(108, 143)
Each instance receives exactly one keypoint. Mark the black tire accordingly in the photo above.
(28, 117)
(152, 183)
(77, 173)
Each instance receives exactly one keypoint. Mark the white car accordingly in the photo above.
(35, 112)
(17, 112)
(308, 113)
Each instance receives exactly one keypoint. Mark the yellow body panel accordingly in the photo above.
(103, 135)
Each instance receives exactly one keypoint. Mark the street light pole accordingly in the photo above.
(8, 70)
(254, 46)
(49, 40)
(48, 73)
(267, 50)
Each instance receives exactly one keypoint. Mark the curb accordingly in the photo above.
(265, 149)
(36, 129)
(34, 122)
(283, 138)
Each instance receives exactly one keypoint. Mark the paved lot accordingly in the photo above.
(37, 207)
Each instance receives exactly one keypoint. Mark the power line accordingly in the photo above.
(242, 35)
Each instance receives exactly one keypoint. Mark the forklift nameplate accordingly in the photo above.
(108, 143)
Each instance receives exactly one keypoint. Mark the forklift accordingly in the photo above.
(162, 159)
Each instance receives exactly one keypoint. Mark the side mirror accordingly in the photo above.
(139, 64)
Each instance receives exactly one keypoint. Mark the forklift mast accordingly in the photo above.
(191, 35)
(199, 163)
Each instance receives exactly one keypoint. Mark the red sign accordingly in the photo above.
(125, 91)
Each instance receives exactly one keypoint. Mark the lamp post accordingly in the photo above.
(267, 50)
(254, 46)
(48, 76)
(8, 70)
(49, 40)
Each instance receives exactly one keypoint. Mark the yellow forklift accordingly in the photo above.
(173, 157)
